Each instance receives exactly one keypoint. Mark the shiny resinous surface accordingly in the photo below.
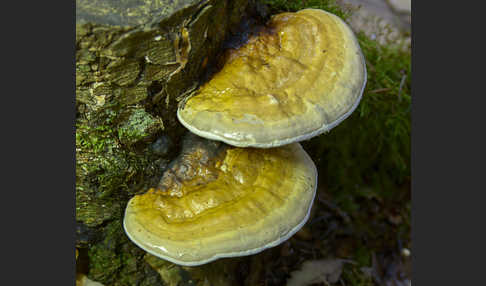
(271, 75)
(300, 77)
(245, 185)
(222, 202)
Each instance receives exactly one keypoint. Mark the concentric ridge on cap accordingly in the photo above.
(301, 78)
(259, 198)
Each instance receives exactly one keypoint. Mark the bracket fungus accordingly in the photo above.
(221, 201)
(299, 77)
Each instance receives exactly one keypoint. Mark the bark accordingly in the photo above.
(135, 60)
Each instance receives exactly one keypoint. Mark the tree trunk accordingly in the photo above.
(135, 60)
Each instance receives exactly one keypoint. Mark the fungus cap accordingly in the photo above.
(240, 202)
(300, 77)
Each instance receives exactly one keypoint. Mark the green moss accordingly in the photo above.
(109, 167)
(278, 6)
(104, 262)
(354, 276)
(140, 125)
(367, 155)
(372, 147)
(92, 211)
(364, 163)
(116, 261)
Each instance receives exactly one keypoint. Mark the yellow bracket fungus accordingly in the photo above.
(221, 201)
(298, 78)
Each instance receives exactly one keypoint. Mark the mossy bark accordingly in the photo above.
(135, 60)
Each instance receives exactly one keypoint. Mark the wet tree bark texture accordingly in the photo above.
(135, 60)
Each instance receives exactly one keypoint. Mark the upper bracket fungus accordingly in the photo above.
(299, 77)
(220, 201)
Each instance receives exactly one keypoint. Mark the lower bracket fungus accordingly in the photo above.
(221, 201)
(302, 75)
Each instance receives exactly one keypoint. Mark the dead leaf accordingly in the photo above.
(317, 271)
